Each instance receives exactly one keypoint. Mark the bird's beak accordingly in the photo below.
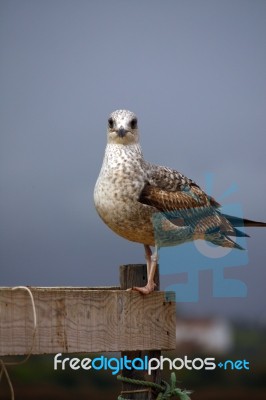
(121, 132)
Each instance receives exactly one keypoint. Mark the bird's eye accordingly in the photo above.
(133, 123)
(111, 123)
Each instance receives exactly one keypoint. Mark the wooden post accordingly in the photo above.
(136, 275)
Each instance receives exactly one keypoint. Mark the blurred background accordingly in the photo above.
(195, 74)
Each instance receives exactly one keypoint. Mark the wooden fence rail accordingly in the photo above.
(71, 320)
(91, 320)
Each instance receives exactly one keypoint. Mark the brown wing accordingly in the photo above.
(192, 208)
(167, 201)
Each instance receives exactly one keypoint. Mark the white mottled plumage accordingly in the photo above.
(151, 204)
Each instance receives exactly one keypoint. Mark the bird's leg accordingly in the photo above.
(150, 273)
(148, 254)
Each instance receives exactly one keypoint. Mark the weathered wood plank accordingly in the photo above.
(136, 275)
(71, 320)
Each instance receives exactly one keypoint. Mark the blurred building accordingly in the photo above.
(204, 334)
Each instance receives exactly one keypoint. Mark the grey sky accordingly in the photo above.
(195, 74)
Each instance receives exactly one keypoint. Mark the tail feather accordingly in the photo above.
(224, 241)
(238, 233)
(236, 221)
(220, 235)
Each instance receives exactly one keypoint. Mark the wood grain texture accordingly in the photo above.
(72, 320)
(136, 275)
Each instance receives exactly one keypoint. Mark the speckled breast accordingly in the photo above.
(116, 200)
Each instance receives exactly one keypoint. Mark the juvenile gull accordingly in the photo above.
(155, 205)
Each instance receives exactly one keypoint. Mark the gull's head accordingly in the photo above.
(122, 128)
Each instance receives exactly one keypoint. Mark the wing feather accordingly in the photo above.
(184, 203)
(167, 201)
